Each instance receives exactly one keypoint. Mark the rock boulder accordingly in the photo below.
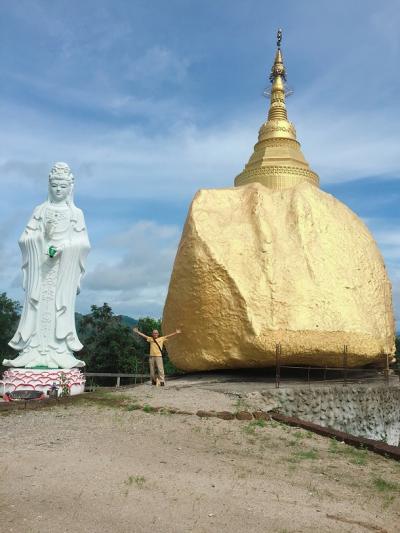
(256, 267)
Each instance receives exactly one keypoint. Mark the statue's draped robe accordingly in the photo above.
(46, 335)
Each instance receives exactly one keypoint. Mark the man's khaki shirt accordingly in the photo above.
(154, 350)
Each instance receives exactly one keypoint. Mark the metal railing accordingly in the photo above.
(141, 373)
(136, 377)
(382, 373)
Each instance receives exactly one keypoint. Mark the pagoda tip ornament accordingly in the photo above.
(278, 38)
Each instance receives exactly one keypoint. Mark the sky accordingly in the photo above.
(149, 101)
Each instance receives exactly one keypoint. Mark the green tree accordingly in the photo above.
(10, 312)
(147, 324)
(109, 345)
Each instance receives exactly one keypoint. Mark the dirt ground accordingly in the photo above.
(101, 466)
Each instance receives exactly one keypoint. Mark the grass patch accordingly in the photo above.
(381, 485)
(303, 434)
(303, 455)
(148, 408)
(334, 447)
(308, 454)
(138, 480)
(388, 501)
(313, 490)
(388, 489)
(165, 412)
(132, 407)
(251, 427)
(275, 424)
(108, 395)
(356, 456)
(103, 399)
(241, 405)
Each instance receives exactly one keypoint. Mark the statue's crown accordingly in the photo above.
(61, 171)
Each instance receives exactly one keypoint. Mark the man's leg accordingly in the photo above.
(160, 369)
(152, 370)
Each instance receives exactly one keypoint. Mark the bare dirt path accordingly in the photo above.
(94, 468)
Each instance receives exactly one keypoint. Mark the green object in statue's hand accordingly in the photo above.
(52, 251)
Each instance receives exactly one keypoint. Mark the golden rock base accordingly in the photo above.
(257, 267)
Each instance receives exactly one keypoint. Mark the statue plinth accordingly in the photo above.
(38, 379)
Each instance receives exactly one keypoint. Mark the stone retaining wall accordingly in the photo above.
(367, 411)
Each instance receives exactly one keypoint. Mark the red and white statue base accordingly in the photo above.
(16, 379)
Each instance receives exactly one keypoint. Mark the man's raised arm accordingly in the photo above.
(173, 334)
(140, 333)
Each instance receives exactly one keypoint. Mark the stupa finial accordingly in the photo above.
(277, 77)
(278, 38)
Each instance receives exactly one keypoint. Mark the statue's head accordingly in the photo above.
(61, 183)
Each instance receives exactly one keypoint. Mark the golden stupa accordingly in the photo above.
(275, 261)
(277, 161)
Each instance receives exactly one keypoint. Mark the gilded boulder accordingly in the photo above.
(257, 267)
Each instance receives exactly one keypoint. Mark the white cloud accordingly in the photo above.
(353, 146)
(387, 236)
(127, 162)
(133, 277)
(157, 64)
(130, 161)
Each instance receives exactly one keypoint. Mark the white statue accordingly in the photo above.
(54, 247)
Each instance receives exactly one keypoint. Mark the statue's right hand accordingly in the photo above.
(135, 330)
(52, 251)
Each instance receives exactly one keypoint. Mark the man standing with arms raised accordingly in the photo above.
(155, 357)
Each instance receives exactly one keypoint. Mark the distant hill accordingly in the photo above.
(127, 320)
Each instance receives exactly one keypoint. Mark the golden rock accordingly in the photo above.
(277, 261)
(257, 267)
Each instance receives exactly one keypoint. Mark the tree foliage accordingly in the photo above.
(147, 324)
(109, 345)
(10, 312)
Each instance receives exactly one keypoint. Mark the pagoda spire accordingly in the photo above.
(277, 110)
(277, 161)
